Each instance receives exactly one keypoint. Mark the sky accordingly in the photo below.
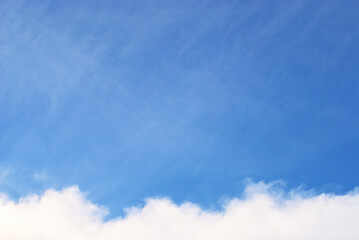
(115, 102)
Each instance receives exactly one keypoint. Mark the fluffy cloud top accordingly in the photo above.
(264, 213)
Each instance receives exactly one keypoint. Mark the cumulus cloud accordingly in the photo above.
(265, 212)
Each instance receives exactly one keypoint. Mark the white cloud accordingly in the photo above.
(264, 213)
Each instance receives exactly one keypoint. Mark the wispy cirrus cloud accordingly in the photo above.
(266, 212)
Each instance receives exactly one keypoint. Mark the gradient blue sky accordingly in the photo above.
(185, 99)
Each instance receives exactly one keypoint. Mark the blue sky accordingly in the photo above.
(183, 99)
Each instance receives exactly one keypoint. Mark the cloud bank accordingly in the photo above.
(265, 212)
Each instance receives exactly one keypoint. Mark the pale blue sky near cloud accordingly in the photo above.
(185, 99)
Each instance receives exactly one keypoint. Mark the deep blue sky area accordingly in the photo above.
(183, 99)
